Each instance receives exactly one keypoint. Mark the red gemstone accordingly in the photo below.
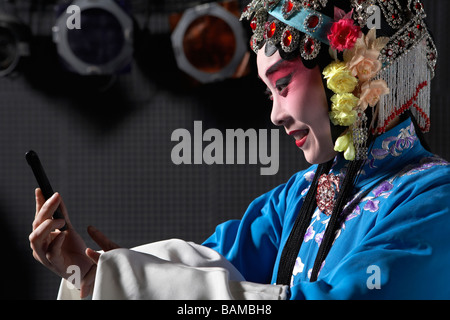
(287, 38)
(288, 6)
(270, 4)
(312, 22)
(401, 43)
(309, 46)
(253, 24)
(271, 29)
(411, 35)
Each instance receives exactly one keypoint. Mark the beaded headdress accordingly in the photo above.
(388, 74)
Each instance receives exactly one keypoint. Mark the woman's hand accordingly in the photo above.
(87, 284)
(57, 250)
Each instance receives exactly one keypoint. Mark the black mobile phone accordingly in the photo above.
(43, 182)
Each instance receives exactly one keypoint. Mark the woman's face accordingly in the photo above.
(299, 104)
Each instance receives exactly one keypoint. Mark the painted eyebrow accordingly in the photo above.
(275, 67)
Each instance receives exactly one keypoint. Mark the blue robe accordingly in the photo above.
(395, 244)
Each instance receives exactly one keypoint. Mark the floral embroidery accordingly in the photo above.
(318, 238)
(309, 233)
(382, 188)
(304, 192)
(394, 146)
(372, 205)
(315, 217)
(309, 176)
(424, 164)
(371, 197)
(298, 268)
(356, 212)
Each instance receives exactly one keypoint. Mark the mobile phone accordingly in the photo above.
(43, 182)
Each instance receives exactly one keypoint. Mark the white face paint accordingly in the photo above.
(299, 104)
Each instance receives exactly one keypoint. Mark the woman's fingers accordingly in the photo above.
(40, 200)
(93, 255)
(41, 238)
(54, 249)
(101, 239)
(46, 210)
(65, 213)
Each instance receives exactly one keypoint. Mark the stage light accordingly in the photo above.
(209, 43)
(100, 43)
(14, 43)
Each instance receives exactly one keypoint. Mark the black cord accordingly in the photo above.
(336, 216)
(295, 240)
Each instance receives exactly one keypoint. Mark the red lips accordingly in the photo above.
(300, 136)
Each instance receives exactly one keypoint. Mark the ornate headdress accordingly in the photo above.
(388, 74)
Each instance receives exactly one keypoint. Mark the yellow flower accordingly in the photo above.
(350, 153)
(345, 144)
(342, 109)
(333, 68)
(339, 78)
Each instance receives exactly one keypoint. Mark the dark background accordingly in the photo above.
(106, 145)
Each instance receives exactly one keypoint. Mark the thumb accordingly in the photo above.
(93, 255)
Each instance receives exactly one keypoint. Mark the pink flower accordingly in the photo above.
(371, 93)
(343, 34)
(362, 59)
(365, 64)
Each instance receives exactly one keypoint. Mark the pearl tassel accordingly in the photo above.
(408, 79)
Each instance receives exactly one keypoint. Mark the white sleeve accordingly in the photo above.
(67, 291)
(172, 270)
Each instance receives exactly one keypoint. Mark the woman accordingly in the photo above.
(367, 220)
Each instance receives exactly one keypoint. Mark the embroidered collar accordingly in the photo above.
(393, 143)
(401, 142)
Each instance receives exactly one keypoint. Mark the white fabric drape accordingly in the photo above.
(171, 269)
